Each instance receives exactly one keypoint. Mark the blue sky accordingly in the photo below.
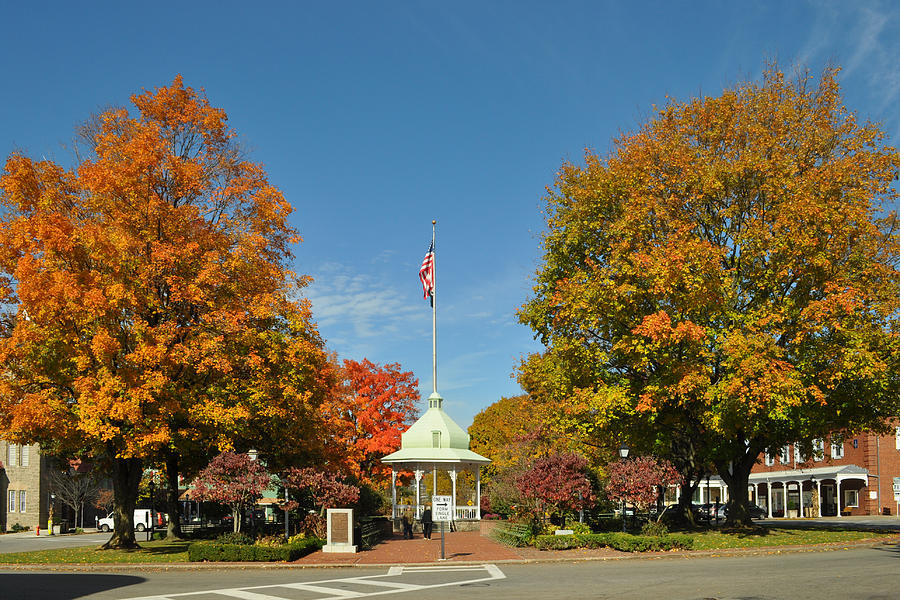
(376, 117)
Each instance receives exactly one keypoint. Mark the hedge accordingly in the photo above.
(618, 541)
(219, 552)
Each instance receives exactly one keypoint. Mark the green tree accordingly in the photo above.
(727, 275)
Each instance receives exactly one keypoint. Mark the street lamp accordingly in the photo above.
(623, 454)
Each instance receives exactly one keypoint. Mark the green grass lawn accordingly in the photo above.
(150, 552)
(716, 540)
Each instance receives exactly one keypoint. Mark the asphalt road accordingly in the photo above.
(866, 573)
(28, 541)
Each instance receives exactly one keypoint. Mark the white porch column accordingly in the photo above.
(800, 492)
(769, 497)
(702, 501)
(677, 494)
(478, 491)
(393, 493)
(784, 497)
(837, 484)
(819, 496)
(756, 494)
(419, 474)
(453, 494)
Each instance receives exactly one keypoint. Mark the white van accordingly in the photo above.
(141, 521)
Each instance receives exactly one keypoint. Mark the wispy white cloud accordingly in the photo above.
(861, 38)
(358, 306)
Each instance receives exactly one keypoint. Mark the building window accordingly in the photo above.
(818, 449)
(851, 498)
(797, 454)
(24, 456)
(769, 460)
(837, 449)
(22, 504)
(12, 501)
(897, 438)
(11, 451)
(785, 455)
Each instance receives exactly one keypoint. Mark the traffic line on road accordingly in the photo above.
(334, 593)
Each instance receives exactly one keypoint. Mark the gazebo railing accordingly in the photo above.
(463, 513)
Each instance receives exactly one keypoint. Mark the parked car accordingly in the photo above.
(142, 520)
(755, 511)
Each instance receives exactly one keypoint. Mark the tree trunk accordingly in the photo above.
(126, 476)
(236, 518)
(736, 475)
(685, 501)
(173, 508)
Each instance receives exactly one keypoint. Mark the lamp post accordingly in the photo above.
(623, 454)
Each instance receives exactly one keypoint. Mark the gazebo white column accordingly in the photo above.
(418, 499)
(453, 494)
(393, 493)
(478, 492)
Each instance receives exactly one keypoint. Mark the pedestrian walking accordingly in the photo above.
(427, 523)
(406, 523)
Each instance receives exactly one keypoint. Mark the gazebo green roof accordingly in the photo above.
(435, 438)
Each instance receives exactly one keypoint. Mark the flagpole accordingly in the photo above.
(433, 316)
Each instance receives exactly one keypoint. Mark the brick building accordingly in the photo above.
(852, 476)
(24, 493)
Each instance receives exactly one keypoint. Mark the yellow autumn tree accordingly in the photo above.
(149, 311)
(725, 280)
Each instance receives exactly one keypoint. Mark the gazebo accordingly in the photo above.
(436, 443)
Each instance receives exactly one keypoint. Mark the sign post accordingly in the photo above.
(441, 511)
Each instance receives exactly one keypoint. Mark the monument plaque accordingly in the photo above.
(340, 531)
(339, 528)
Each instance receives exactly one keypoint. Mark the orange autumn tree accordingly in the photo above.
(371, 407)
(147, 299)
(727, 274)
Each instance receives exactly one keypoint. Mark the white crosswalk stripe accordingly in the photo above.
(324, 587)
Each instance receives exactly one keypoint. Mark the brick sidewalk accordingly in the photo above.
(459, 546)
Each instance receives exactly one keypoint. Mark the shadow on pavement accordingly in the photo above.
(60, 586)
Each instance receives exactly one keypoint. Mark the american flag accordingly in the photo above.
(426, 273)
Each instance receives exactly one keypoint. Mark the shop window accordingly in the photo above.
(23, 505)
(11, 503)
(851, 498)
(837, 449)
